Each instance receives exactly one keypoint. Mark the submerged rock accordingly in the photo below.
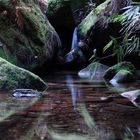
(123, 76)
(13, 77)
(19, 93)
(133, 96)
(94, 71)
(112, 71)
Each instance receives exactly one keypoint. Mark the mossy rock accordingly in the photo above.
(54, 6)
(29, 39)
(92, 18)
(127, 67)
(123, 76)
(13, 77)
(94, 71)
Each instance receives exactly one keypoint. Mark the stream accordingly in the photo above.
(70, 109)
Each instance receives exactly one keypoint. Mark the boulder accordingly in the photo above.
(94, 71)
(102, 11)
(133, 96)
(112, 71)
(92, 18)
(28, 39)
(13, 77)
(123, 76)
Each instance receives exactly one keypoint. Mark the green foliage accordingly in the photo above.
(130, 43)
(130, 18)
(123, 48)
(108, 46)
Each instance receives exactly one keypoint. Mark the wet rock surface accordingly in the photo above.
(94, 71)
(112, 71)
(123, 76)
(29, 93)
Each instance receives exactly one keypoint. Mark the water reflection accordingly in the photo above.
(9, 105)
(41, 128)
(71, 110)
(75, 92)
(116, 87)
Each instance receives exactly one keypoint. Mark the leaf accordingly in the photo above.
(108, 46)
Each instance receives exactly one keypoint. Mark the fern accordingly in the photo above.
(130, 17)
(124, 48)
(130, 21)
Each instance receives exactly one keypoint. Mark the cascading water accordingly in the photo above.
(69, 56)
(74, 39)
(75, 52)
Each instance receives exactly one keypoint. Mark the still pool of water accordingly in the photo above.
(71, 109)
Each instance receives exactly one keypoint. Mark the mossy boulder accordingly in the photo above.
(94, 71)
(13, 77)
(123, 76)
(101, 14)
(28, 38)
(124, 68)
(92, 18)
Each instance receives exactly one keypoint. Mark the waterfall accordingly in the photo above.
(69, 56)
(74, 39)
(75, 52)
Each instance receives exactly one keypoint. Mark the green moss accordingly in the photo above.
(53, 6)
(6, 31)
(12, 77)
(124, 66)
(35, 18)
(124, 72)
(92, 18)
(27, 47)
(123, 76)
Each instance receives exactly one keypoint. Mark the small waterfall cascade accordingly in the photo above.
(74, 39)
